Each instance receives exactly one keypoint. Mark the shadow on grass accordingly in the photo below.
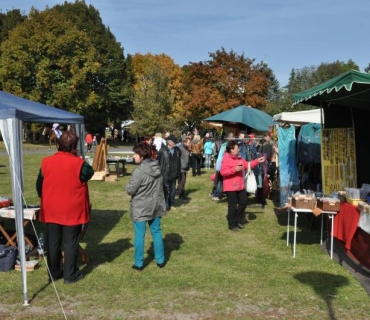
(171, 242)
(99, 252)
(2, 166)
(306, 233)
(191, 190)
(325, 285)
(312, 222)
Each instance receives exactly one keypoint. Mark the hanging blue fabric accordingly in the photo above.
(289, 179)
(309, 143)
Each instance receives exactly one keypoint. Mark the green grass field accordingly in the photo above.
(211, 273)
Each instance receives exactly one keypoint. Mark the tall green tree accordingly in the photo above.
(274, 93)
(49, 60)
(112, 82)
(310, 76)
(8, 21)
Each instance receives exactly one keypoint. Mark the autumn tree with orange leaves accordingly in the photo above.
(224, 82)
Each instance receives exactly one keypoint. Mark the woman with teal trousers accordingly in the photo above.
(147, 205)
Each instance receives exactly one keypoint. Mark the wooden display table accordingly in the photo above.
(9, 213)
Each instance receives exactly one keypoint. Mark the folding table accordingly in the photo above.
(9, 213)
(331, 215)
(116, 163)
(296, 211)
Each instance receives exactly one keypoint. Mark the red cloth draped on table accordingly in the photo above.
(345, 223)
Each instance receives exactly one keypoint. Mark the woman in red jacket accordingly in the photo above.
(65, 206)
(233, 171)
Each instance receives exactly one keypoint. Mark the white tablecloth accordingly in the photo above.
(364, 222)
(29, 214)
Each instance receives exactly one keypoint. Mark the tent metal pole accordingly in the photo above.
(16, 163)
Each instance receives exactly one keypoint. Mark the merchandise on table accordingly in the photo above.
(342, 196)
(304, 201)
(5, 202)
(328, 204)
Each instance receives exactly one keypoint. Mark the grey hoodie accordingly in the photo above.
(146, 190)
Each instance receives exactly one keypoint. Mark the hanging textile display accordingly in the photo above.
(338, 155)
(289, 180)
(309, 143)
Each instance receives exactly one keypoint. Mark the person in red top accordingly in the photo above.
(89, 141)
(65, 206)
(153, 151)
(233, 168)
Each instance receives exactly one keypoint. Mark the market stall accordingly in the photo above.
(299, 140)
(345, 101)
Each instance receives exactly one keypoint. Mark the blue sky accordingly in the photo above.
(286, 33)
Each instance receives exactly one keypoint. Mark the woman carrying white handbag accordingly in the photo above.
(232, 169)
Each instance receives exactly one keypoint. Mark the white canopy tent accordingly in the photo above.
(299, 118)
(13, 112)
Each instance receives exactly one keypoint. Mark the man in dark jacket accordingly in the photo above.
(169, 158)
(185, 157)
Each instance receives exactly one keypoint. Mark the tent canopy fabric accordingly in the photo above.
(345, 100)
(299, 117)
(350, 89)
(126, 123)
(246, 115)
(12, 106)
(13, 111)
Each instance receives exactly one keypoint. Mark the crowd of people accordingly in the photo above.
(163, 164)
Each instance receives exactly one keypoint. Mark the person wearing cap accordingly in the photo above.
(169, 159)
(56, 129)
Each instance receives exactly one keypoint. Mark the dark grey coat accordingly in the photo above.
(146, 190)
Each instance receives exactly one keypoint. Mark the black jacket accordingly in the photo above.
(170, 164)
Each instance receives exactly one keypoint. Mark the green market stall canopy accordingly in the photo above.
(350, 89)
(345, 101)
(246, 115)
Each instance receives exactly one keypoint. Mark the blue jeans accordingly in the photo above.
(208, 158)
(171, 187)
(139, 241)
